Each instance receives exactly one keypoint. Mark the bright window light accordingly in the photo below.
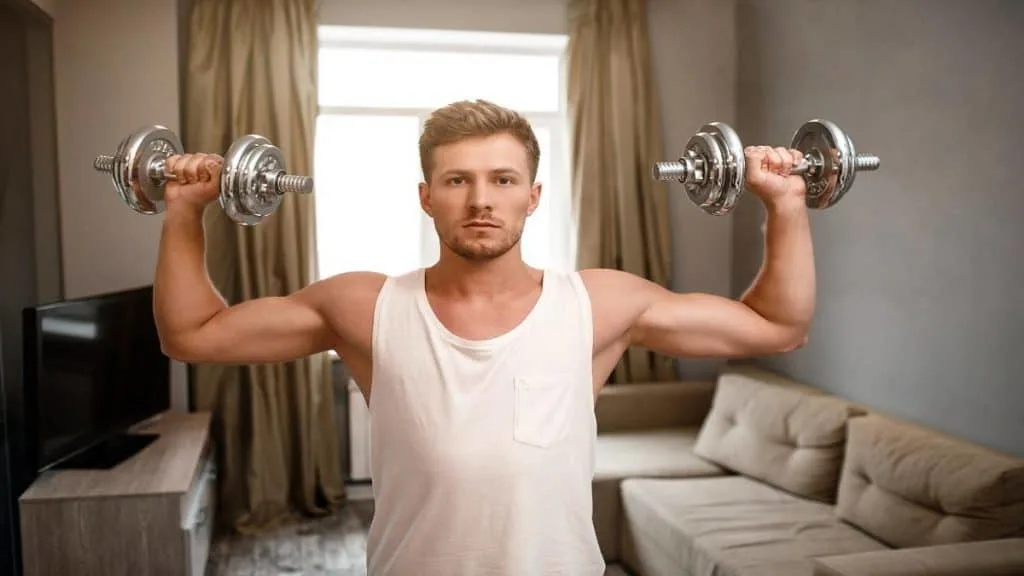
(431, 79)
(377, 87)
(368, 35)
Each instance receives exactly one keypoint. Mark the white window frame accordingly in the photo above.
(475, 43)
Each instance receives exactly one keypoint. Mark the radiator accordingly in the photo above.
(358, 433)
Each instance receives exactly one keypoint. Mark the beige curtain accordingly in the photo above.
(252, 68)
(621, 212)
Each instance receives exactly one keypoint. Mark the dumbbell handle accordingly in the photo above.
(683, 171)
(280, 182)
(811, 163)
(105, 163)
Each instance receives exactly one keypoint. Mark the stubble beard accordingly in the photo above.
(477, 251)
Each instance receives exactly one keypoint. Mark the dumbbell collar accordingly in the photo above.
(253, 179)
(137, 167)
(246, 195)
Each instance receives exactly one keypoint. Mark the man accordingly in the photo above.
(481, 372)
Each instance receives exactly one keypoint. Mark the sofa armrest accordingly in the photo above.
(649, 405)
(989, 557)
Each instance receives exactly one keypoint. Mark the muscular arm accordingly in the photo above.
(773, 316)
(196, 325)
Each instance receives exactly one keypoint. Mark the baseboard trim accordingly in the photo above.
(359, 491)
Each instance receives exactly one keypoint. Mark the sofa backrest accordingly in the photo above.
(786, 436)
(649, 405)
(907, 486)
(756, 372)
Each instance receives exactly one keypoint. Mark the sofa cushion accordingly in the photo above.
(909, 487)
(781, 435)
(1003, 557)
(652, 453)
(647, 453)
(728, 525)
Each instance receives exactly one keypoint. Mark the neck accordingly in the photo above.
(456, 276)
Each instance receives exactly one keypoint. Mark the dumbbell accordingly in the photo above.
(712, 167)
(252, 180)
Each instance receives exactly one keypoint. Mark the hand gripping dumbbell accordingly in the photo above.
(252, 180)
(712, 167)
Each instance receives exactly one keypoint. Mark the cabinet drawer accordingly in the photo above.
(198, 525)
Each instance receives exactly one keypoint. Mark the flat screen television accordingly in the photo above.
(93, 369)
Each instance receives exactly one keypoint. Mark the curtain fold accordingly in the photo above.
(252, 69)
(620, 211)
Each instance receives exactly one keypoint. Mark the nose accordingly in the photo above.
(480, 195)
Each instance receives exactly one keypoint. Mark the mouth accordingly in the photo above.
(481, 224)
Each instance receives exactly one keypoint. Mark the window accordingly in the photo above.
(377, 87)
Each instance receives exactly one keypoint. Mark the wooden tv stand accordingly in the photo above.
(151, 514)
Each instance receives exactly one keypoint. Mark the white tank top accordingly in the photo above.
(482, 451)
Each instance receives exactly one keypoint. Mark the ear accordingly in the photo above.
(534, 198)
(425, 199)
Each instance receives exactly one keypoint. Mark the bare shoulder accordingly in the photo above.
(347, 302)
(617, 299)
(618, 289)
(349, 284)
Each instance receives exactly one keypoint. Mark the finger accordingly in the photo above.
(191, 170)
(171, 162)
(209, 169)
(757, 164)
(176, 165)
(797, 155)
(205, 171)
(752, 153)
(770, 160)
(755, 161)
(785, 160)
(773, 159)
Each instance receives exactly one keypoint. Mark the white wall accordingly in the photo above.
(116, 68)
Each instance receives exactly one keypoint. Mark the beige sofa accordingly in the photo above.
(755, 474)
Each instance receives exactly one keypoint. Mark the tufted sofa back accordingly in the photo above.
(786, 436)
(907, 486)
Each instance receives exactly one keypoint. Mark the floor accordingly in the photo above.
(332, 546)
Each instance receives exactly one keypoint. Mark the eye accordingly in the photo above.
(456, 180)
(506, 180)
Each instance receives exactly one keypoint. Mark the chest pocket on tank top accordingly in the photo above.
(543, 409)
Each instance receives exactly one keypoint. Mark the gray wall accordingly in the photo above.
(103, 93)
(30, 265)
(695, 84)
(921, 306)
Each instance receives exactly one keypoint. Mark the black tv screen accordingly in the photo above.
(93, 368)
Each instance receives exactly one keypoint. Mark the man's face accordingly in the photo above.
(479, 195)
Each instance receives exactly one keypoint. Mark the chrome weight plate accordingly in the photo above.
(704, 187)
(246, 195)
(833, 150)
(136, 156)
(258, 196)
(734, 169)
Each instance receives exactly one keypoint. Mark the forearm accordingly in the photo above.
(184, 297)
(784, 290)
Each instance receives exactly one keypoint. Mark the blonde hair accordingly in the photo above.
(471, 119)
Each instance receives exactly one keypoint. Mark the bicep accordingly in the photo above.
(331, 313)
(262, 330)
(705, 326)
